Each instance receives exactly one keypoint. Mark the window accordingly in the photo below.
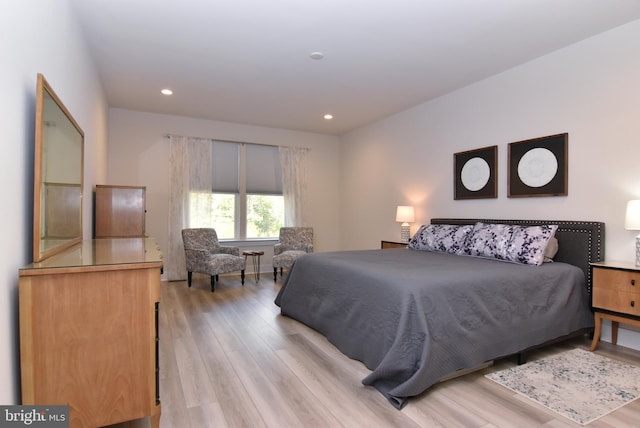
(265, 215)
(245, 201)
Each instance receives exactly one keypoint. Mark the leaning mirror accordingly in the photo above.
(58, 171)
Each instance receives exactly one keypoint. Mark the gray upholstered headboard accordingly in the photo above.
(579, 242)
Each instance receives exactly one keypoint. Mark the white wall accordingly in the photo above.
(590, 90)
(139, 156)
(37, 37)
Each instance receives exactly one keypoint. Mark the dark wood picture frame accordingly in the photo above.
(476, 174)
(538, 167)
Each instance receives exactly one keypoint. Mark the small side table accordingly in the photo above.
(615, 297)
(255, 257)
(393, 244)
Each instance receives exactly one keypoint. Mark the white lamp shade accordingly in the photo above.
(404, 214)
(632, 217)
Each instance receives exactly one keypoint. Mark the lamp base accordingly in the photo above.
(638, 250)
(405, 234)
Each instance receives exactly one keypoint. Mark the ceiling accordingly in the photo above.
(248, 61)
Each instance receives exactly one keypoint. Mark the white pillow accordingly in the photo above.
(551, 250)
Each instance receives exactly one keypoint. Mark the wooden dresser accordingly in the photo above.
(89, 331)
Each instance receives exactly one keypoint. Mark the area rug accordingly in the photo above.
(577, 384)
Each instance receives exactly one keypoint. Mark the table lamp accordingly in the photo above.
(632, 222)
(404, 215)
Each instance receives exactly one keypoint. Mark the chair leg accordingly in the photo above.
(275, 274)
(189, 278)
(242, 276)
(213, 282)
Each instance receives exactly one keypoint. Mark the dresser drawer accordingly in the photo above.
(613, 279)
(616, 301)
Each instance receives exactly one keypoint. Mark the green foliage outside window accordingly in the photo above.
(265, 214)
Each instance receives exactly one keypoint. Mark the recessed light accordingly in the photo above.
(316, 55)
(328, 116)
(166, 92)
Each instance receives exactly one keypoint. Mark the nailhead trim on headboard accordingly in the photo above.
(586, 249)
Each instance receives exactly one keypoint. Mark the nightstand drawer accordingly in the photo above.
(616, 301)
(613, 279)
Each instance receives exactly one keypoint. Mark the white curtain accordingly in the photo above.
(190, 170)
(293, 161)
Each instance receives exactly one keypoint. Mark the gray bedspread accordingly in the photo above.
(413, 317)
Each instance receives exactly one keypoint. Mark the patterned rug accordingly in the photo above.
(577, 384)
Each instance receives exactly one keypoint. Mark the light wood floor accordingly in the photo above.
(228, 359)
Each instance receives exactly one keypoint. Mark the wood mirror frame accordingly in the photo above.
(58, 175)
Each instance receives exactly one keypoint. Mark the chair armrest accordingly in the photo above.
(234, 251)
(281, 248)
(195, 259)
(278, 249)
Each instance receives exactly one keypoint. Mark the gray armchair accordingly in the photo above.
(204, 254)
(294, 242)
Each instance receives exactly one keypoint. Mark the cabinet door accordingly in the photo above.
(88, 339)
(119, 211)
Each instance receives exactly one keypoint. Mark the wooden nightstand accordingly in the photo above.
(615, 296)
(393, 244)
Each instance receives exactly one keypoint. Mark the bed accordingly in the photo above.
(414, 317)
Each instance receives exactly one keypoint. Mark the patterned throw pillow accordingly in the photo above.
(528, 243)
(519, 244)
(489, 240)
(447, 238)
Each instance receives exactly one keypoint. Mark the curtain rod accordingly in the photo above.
(226, 141)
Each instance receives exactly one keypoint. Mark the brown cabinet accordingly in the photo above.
(615, 297)
(119, 211)
(393, 244)
(89, 331)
